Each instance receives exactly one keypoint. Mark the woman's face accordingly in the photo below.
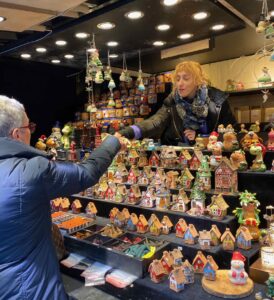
(185, 84)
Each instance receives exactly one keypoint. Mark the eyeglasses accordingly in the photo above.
(31, 126)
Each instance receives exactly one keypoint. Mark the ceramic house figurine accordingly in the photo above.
(196, 159)
(168, 157)
(162, 199)
(143, 178)
(121, 193)
(166, 225)
(64, 205)
(159, 177)
(121, 174)
(76, 206)
(110, 192)
(156, 271)
(270, 142)
(142, 225)
(132, 222)
(218, 207)
(180, 228)
(134, 196)
(258, 164)
(55, 204)
(228, 240)
(171, 179)
(243, 238)
(180, 201)
(111, 171)
(103, 186)
(210, 268)
(188, 272)
(112, 214)
(91, 210)
(212, 140)
(184, 159)
(185, 180)
(190, 235)
(215, 235)
(204, 239)
(248, 214)
(226, 177)
(126, 213)
(167, 261)
(133, 157)
(238, 160)
(237, 274)
(147, 170)
(154, 160)
(199, 262)
(133, 174)
(155, 225)
(205, 174)
(143, 160)
(197, 198)
(177, 280)
(177, 257)
(119, 219)
(230, 142)
(148, 197)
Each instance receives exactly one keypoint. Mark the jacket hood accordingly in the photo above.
(11, 148)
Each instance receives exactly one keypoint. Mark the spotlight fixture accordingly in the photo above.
(218, 27)
(2, 19)
(134, 15)
(200, 15)
(170, 2)
(41, 50)
(61, 43)
(91, 50)
(81, 35)
(112, 44)
(185, 36)
(159, 43)
(55, 61)
(25, 55)
(271, 13)
(163, 27)
(69, 56)
(106, 25)
(113, 55)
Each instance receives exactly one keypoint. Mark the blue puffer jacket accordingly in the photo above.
(28, 181)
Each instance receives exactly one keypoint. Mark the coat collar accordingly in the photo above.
(11, 148)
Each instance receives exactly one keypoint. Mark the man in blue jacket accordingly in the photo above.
(29, 180)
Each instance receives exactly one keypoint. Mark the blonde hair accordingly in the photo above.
(193, 68)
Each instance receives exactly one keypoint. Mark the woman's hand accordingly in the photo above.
(190, 134)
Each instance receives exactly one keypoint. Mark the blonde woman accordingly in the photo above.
(193, 107)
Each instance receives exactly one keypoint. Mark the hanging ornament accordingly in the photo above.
(123, 76)
(108, 71)
(99, 77)
(111, 85)
(265, 95)
(141, 86)
(111, 102)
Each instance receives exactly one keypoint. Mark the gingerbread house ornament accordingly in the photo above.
(148, 197)
(64, 205)
(121, 174)
(191, 235)
(142, 225)
(168, 157)
(180, 201)
(177, 280)
(155, 225)
(228, 240)
(167, 261)
(134, 196)
(177, 257)
(113, 213)
(243, 238)
(226, 177)
(156, 271)
(162, 198)
(132, 222)
(172, 179)
(218, 207)
(210, 268)
(196, 160)
(215, 235)
(121, 193)
(133, 175)
(184, 159)
(143, 160)
(55, 204)
(110, 192)
(199, 262)
(186, 178)
(188, 272)
(133, 157)
(154, 160)
(204, 239)
(166, 225)
(180, 228)
(91, 210)
(143, 179)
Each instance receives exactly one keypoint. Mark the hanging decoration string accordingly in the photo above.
(140, 63)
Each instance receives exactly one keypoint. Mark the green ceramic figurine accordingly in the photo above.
(258, 164)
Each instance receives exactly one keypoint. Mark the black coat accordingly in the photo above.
(166, 124)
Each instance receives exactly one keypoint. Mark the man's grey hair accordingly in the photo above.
(11, 115)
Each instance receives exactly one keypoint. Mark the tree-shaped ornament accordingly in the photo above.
(141, 86)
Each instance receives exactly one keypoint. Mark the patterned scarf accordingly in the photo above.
(193, 112)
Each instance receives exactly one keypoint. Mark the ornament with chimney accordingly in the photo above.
(183, 159)
(177, 280)
(248, 214)
(180, 228)
(228, 240)
(142, 224)
(204, 239)
(226, 177)
(195, 160)
(167, 261)
(237, 274)
(180, 201)
(217, 209)
(148, 197)
(191, 235)
(210, 268)
(199, 262)
(185, 180)
(188, 272)
(243, 238)
(156, 271)
(166, 225)
(121, 174)
(168, 157)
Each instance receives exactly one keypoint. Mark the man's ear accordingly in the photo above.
(15, 134)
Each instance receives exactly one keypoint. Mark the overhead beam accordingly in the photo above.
(28, 8)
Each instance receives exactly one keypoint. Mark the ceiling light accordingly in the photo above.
(218, 27)
(272, 13)
(163, 27)
(200, 15)
(112, 44)
(106, 25)
(25, 55)
(134, 15)
(91, 50)
(113, 56)
(2, 19)
(185, 36)
(159, 43)
(61, 43)
(41, 50)
(69, 56)
(55, 61)
(170, 2)
(81, 35)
